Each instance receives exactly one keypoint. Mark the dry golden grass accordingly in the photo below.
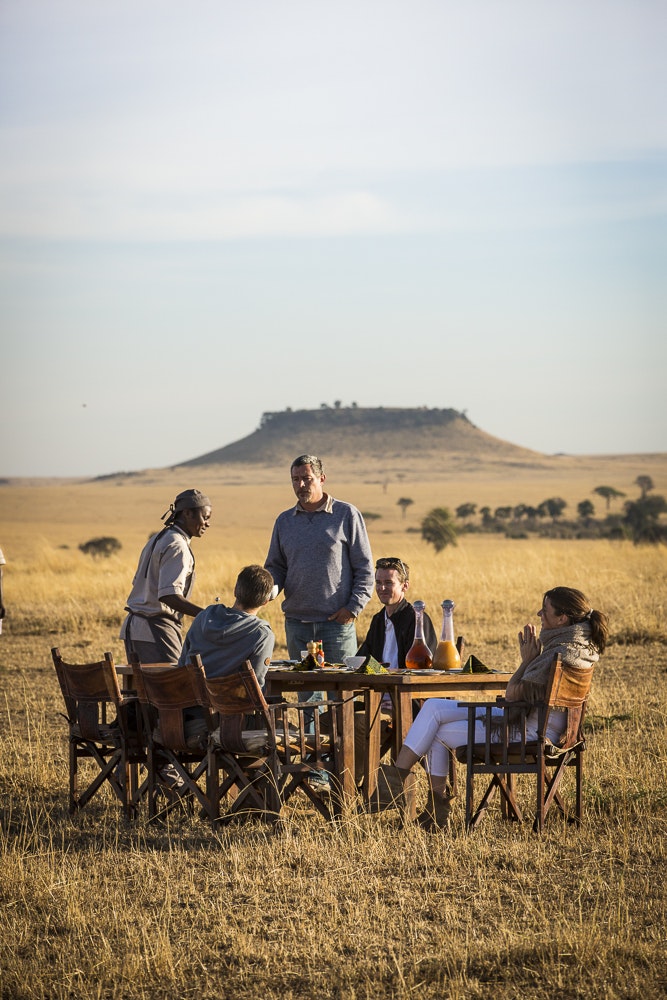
(356, 909)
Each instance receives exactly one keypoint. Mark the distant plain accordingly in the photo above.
(361, 908)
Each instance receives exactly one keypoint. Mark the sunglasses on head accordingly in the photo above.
(392, 562)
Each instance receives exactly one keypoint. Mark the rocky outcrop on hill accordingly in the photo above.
(386, 436)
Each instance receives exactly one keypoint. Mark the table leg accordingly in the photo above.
(345, 776)
(402, 722)
(372, 703)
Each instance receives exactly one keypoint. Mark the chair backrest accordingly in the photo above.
(233, 697)
(170, 690)
(568, 688)
(87, 689)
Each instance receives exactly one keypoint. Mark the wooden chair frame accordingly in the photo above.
(507, 752)
(90, 691)
(262, 779)
(165, 692)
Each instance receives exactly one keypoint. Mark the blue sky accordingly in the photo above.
(216, 209)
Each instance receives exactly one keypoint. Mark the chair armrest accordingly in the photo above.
(300, 706)
(500, 702)
(306, 705)
(276, 703)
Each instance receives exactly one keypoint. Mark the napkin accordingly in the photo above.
(474, 665)
(372, 667)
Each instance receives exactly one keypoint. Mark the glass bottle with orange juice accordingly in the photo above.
(446, 654)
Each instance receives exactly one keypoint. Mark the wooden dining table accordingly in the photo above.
(403, 687)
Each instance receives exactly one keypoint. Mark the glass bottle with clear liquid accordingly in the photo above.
(446, 654)
(419, 656)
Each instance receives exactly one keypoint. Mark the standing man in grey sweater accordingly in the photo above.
(321, 557)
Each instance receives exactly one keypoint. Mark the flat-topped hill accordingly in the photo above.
(389, 436)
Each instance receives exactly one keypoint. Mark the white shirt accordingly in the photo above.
(166, 566)
(389, 655)
(390, 648)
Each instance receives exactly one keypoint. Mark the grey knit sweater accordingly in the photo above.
(322, 560)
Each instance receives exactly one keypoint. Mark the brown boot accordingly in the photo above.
(436, 812)
(390, 790)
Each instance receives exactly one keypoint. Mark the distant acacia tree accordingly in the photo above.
(503, 513)
(487, 516)
(645, 483)
(438, 528)
(585, 509)
(608, 493)
(553, 507)
(404, 503)
(465, 510)
(642, 519)
(101, 548)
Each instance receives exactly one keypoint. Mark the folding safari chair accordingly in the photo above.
(257, 757)
(506, 752)
(102, 730)
(176, 727)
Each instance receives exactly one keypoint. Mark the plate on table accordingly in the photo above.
(296, 664)
(355, 662)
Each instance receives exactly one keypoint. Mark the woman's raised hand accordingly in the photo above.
(529, 644)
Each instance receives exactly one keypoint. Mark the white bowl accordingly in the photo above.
(354, 662)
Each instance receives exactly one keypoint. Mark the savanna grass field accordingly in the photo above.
(362, 907)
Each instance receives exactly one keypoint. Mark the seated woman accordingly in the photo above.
(570, 627)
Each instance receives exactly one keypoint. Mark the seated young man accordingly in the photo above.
(388, 640)
(226, 637)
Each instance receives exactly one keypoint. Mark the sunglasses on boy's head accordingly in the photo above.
(392, 563)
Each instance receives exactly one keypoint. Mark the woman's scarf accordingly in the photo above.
(575, 646)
